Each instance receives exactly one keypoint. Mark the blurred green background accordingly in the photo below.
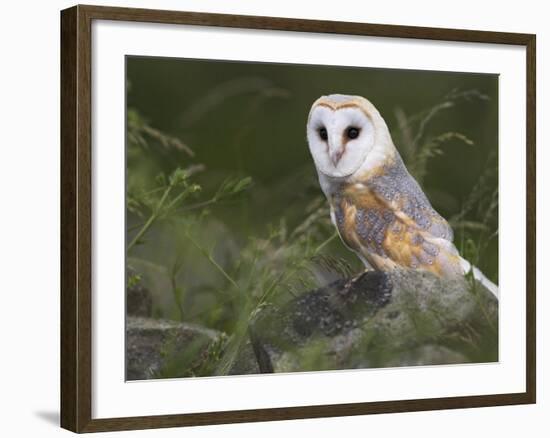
(248, 224)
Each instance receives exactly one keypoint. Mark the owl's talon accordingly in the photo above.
(349, 285)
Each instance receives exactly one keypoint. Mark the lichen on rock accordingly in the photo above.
(157, 348)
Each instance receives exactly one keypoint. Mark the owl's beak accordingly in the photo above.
(336, 155)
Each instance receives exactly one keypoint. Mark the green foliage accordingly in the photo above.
(430, 149)
(141, 134)
(133, 280)
(162, 201)
(412, 135)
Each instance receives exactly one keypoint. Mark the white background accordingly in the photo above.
(29, 91)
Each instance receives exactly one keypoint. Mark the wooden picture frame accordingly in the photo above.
(76, 218)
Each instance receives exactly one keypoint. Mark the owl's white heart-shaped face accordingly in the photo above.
(340, 134)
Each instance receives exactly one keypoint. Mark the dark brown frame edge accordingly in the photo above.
(76, 311)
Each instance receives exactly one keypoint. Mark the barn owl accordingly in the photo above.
(378, 208)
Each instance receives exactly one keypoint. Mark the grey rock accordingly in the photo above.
(161, 348)
(138, 301)
(246, 361)
(406, 318)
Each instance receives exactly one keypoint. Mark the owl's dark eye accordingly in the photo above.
(323, 133)
(352, 132)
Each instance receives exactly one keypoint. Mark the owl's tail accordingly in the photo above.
(479, 276)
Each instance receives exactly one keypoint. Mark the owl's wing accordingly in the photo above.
(396, 225)
(401, 194)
